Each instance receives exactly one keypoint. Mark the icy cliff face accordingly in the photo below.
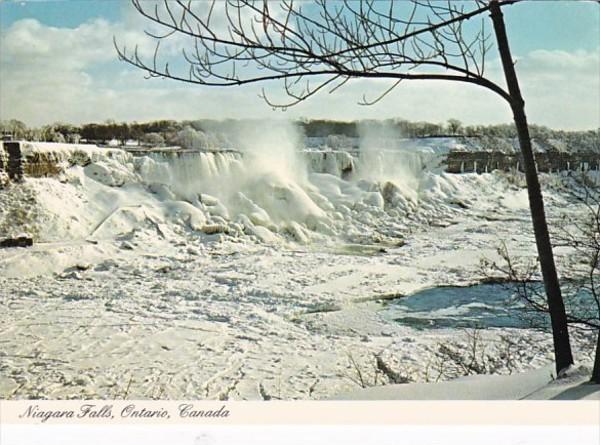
(300, 195)
(188, 174)
(271, 192)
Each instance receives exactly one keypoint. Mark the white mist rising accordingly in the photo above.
(385, 156)
(272, 187)
(266, 184)
(274, 179)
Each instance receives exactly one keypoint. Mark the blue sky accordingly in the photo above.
(75, 74)
(538, 24)
(67, 13)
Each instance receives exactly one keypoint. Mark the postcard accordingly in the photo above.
(252, 221)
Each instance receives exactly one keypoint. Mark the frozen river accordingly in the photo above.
(278, 282)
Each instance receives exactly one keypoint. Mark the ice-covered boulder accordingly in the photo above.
(163, 191)
(110, 172)
(374, 199)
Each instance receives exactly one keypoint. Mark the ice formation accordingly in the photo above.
(268, 189)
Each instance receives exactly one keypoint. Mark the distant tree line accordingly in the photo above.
(206, 133)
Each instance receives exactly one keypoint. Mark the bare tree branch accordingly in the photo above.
(313, 43)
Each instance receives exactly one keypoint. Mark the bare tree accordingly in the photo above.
(579, 233)
(454, 125)
(314, 46)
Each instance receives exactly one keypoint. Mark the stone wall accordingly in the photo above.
(14, 164)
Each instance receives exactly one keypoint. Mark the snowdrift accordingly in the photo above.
(537, 384)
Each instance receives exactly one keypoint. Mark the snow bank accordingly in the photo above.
(539, 384)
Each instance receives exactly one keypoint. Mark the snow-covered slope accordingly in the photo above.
(538, 384)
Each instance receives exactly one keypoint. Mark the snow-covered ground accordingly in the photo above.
(537, 384)
(249, 277)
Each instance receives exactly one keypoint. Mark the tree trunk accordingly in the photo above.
(558, 317)
(596, 371)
